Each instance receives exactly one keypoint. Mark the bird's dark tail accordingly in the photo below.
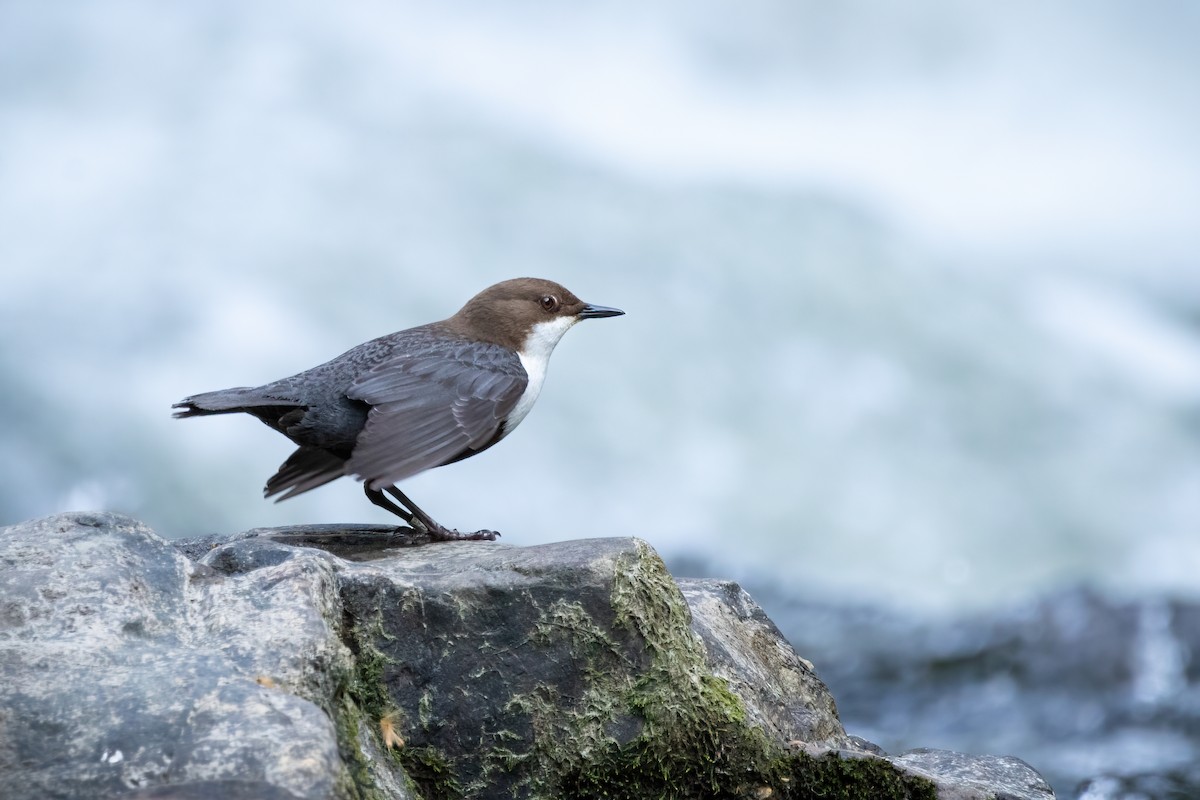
(226, 401)
(307, 468)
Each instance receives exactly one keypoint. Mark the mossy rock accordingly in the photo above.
(561, 671)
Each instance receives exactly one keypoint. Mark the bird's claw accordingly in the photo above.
(439, 533)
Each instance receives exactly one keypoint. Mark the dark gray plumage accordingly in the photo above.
(413, 400)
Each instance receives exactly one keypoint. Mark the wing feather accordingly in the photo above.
(432, 405)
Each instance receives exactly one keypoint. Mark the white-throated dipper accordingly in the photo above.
(413, 400)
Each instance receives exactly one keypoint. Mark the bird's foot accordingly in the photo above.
(440, 533)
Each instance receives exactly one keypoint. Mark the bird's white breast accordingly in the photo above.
(535, 356)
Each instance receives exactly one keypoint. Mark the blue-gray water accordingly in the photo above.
(913, 294)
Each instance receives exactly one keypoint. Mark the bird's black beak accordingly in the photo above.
(590, 311)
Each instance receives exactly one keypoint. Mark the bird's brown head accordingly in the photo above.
(511, 311)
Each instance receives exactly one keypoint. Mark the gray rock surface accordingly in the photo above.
(962, 776)
(339, 662)
(781, 691)
(124, 665)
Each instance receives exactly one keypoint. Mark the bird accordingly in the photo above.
(412, 400)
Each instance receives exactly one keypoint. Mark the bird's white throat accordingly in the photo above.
(535, 356)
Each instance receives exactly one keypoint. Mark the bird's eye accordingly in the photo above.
(550, 302)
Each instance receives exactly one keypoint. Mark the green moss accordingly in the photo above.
(673, 731)
(746, 766)
(693, 741)
(412, 600)
(669, 721)
(834, 778)
(356, 782)
(570, 621)
(360, 702)
(367, 680)
(647, 719)
(465, 609)
(433, 774)
(365, 702)
(425, 710)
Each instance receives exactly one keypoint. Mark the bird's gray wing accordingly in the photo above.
(431, 404)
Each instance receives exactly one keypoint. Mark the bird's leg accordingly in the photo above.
(377, 497)
(436, 532)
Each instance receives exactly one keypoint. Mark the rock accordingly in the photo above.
(126, 666)
(781, 691)
(958, 775)
(339, 662)
(563, 667)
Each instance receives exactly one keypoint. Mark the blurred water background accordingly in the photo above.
(913, 334)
